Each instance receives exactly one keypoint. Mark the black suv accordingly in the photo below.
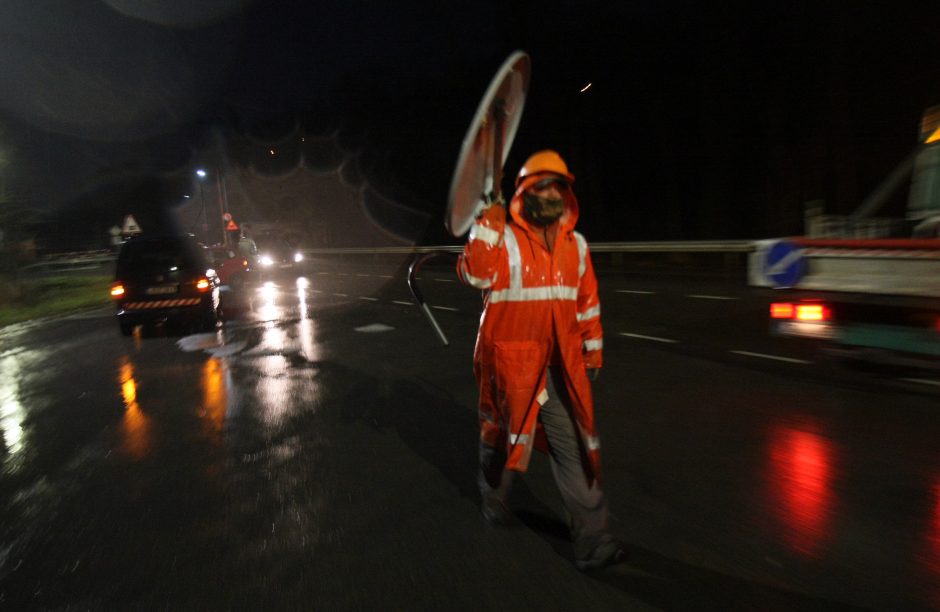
(165, 280)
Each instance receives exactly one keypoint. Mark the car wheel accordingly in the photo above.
(127, 327)
(210, 320)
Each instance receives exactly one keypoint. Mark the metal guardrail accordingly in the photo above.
(693, 246)
(90, 259)
(72, 261)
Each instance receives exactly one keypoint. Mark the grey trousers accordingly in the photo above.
(586, 506)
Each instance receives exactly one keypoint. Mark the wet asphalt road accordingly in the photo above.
(318, 452)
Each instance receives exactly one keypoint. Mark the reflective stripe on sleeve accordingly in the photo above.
(485, 234)
(594, 345)
(590, 313)
(593, 442)
(479, 283)
(582, 253)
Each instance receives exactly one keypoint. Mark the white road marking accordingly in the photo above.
(366, 275)
(374, 328)
(443, 280)
(314, 291)
(653, 338)
(710, 297)
(446, 308)
(371, 299)
(636, 292)
(322, 273)
(923, 381)
(341, 294)
(403, 303)
(385, 276)
(774, 357)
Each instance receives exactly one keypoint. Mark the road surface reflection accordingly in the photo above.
(801, 472)
(932, 539)
(214, 393)
(136, 427)
(12, 412)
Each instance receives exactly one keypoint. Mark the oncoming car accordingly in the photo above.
(277, 254)
(167, 280)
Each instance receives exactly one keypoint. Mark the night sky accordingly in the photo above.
(703, 120)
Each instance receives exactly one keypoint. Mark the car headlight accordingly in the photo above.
(298, 257)
(265, 260)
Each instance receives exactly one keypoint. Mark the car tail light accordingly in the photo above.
(781, 311)
(244, 263)
(117, 290)
(203, 284)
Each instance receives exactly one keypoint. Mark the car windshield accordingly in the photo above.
(171, 258)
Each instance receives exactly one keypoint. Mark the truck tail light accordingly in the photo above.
(800, 312)
(811, 312)
(203, 284)
(781, 311)
(117, 290)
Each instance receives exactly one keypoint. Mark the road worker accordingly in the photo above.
(539, 342)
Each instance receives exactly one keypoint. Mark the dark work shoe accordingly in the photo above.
(609, 552)
(496, 512)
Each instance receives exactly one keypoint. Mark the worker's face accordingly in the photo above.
(544, 201)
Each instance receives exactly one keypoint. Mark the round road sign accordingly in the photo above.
(784, 265)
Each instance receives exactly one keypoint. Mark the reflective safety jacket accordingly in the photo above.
(540, 307)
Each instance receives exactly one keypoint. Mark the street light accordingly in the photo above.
(220, 187)
(202, 200)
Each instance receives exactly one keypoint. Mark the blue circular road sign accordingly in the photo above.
(784, 264)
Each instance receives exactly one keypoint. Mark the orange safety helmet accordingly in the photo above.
(542, 162)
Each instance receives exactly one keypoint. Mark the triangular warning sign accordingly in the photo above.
(130, 226)
(231, 227)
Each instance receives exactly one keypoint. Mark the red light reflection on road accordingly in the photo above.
(800, 480)
(933, 540)
(135, 425)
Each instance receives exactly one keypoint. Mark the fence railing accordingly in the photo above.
(693, 246)
(74, 261)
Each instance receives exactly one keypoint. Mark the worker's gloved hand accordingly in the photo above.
(593, 373)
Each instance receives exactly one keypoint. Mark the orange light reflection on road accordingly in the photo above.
(136, 429)
(214, 395)
(801, 475)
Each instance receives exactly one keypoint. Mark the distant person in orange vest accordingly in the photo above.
(539, 344)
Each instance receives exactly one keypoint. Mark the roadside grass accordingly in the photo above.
(41, 297)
